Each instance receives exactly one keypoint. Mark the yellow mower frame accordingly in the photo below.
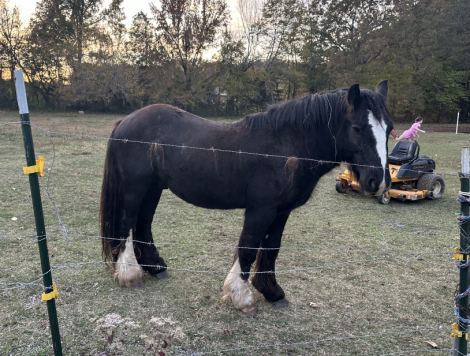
(349, 180)
(412, 174)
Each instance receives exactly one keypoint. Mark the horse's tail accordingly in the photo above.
(111, 204)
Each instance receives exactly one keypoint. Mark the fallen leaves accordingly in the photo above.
(432, 344)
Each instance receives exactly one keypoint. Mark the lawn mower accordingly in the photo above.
(412, 176)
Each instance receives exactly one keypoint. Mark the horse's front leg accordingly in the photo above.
(266, 283)
(236, 285)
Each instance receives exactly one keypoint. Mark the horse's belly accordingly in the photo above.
(210, 195)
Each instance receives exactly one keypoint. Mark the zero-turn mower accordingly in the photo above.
(412, 174)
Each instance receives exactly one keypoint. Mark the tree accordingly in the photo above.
(314, 48)
(187, 28)
(142, 44)
(65, 34)
(11, 38)
(428, 45)
(351, 29)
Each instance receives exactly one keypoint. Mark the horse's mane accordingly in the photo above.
(309, 111)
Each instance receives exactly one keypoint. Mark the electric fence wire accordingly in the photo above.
(212, 149)
(233, 247)
(214, 272)
(64, 230)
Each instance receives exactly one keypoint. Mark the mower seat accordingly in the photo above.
(403, 152)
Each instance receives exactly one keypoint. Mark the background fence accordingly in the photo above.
(362, 278)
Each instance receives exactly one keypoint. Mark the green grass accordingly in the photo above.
(185, 311)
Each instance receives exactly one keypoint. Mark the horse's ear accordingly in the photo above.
(382, 88)
(354, 96)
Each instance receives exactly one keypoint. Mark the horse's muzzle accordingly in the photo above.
(376, 184)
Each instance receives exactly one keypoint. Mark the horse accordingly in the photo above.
(267, 163)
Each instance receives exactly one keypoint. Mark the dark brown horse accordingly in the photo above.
(291, 146)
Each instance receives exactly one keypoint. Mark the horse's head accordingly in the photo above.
(368, 126)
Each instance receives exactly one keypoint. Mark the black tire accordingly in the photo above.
(434, 184)
(341, 186)
(384, 198)
(402, 198)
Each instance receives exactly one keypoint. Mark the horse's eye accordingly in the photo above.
(356, 129)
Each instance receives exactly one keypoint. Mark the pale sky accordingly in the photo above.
(131, 7)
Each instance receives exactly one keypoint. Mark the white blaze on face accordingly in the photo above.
(380, 134)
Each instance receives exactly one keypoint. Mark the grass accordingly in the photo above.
(184, 314)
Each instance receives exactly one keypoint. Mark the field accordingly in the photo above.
(362, 278)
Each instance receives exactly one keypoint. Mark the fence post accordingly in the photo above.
(38, 213)
(460, 347)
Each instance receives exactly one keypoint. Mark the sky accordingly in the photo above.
(131, 7)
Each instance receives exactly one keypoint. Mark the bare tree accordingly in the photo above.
(188, 27)
(11, 37)
(251, 13)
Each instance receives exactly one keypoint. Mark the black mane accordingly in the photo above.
(312, 110)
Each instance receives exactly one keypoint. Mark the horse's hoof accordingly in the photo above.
(281, 303)
(250, 311)
(136, 285)
(163, 275)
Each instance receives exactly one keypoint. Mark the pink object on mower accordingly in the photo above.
(412, 131)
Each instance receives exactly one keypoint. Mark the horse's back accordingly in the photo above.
(164, 122)
(180, 150)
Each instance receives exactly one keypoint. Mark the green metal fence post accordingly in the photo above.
(461, 341)
(38, 213)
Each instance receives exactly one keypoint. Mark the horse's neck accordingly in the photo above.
(325, 142)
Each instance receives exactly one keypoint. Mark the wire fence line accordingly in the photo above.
(211, 149)
(233, 247)
(14, 285)
(64, 230)
(213, 272)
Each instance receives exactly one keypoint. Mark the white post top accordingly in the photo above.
(21, 92)
(465, 161)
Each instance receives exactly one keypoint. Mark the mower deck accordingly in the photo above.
(412, 175)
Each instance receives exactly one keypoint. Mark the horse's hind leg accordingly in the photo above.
(127, 269)
(236, 286)
(266, 283)
(146, 252)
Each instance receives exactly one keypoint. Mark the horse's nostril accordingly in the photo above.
(372, 184)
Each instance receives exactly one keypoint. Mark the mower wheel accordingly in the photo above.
(384, 198)
(402, 197)
(341, 186)
(434, 184)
